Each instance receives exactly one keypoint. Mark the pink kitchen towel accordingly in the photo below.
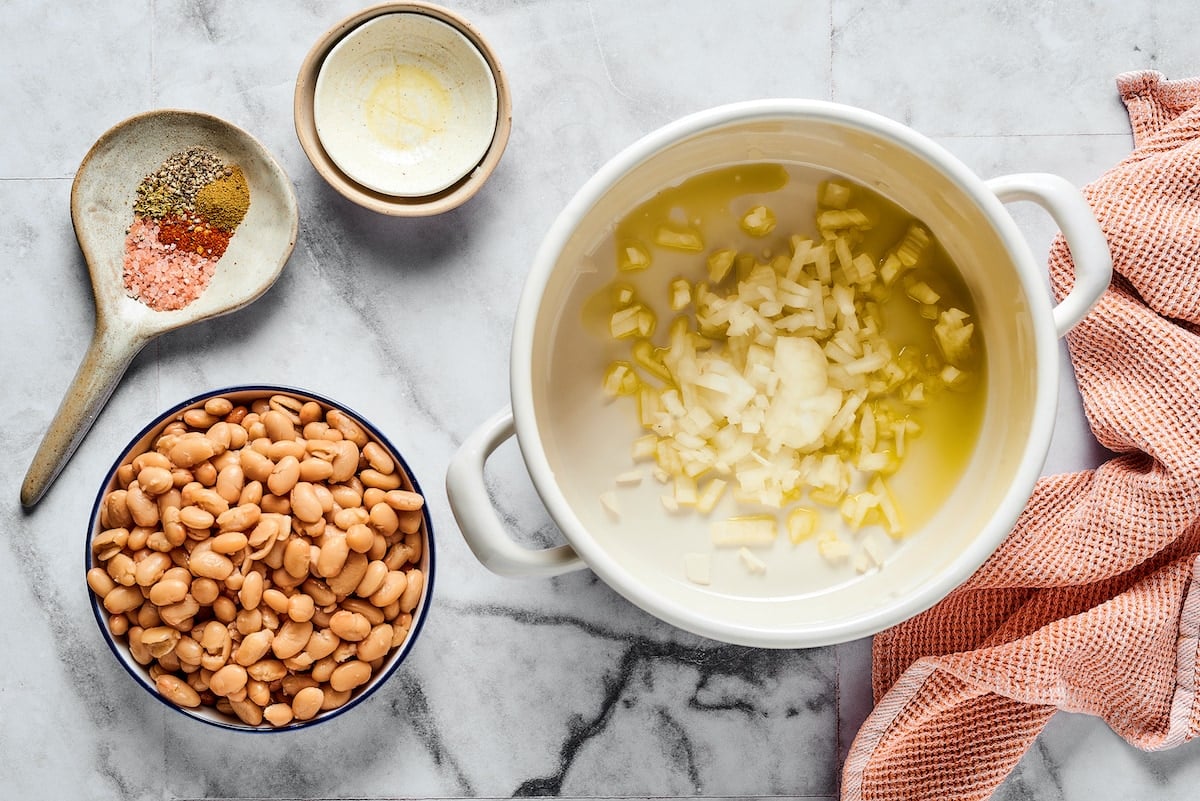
(1091, 603)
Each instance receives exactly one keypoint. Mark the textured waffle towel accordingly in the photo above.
(1091, 604)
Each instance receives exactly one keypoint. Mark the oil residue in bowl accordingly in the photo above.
(406, 107)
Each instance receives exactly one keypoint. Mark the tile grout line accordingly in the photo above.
(153, 62)
(832, 90)
(838, 720)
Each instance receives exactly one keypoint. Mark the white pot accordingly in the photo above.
(573, 443)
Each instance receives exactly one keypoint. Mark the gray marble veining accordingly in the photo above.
(517, 687)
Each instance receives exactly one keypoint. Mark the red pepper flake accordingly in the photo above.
(193, 234)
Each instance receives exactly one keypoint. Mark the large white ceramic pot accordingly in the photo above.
(574, 442)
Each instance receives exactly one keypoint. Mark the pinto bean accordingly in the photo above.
(252, 558)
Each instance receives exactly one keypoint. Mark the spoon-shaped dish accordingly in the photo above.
(102, 199)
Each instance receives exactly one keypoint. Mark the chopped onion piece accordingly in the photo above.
(753, 563)
(923, 293)
(751, 532)
(620, 380)
(608, 499)
(685, 240)
(719, 263)
(952, 336)
(633, 258)
(823, 265)
(629, 478)
(645, 448)
(801, 524)
(625, 322)
(831, 548)
(697, 567)
(681, 294)
(710, 495)
(835, 195)
(872, 549)
(685, 490)
(759, 221)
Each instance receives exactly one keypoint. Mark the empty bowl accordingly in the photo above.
(403, 109)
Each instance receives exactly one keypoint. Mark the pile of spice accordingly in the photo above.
(184, 216)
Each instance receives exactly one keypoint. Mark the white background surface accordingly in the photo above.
(516, 687)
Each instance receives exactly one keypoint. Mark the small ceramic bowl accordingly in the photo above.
(403, 109)
(139, 670)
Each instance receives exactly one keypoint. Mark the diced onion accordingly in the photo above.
(778, 382)
(749, 532)
(753, 563)
(698, 568)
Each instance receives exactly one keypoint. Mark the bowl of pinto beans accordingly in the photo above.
(260, 558)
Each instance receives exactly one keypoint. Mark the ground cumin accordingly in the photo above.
(224, 201)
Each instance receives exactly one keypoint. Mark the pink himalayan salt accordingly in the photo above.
(160, 276)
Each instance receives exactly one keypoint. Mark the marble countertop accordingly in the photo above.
(536, 687)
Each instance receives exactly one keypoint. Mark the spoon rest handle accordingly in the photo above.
(106, 360)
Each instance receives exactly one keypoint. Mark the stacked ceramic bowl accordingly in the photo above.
(403, 109)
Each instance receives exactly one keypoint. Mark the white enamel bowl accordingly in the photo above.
(403, 108)
(574, 443)
(405, 104)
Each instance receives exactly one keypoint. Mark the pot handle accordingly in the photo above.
(477, 519)
(1089, 248)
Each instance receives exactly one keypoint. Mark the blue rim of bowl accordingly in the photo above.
(141, 676)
